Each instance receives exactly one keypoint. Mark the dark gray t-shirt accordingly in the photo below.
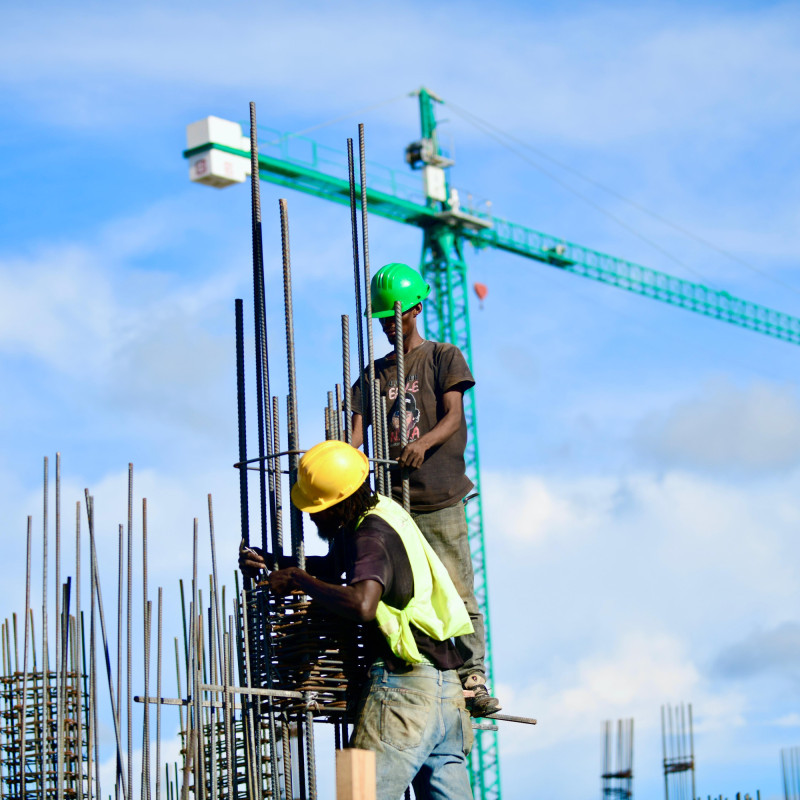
(432, 369)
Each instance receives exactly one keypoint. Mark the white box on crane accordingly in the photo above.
(215, 167)
(434, 183)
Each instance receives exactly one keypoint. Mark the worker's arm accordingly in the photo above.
(358, 601)
(358, 430)
(414, 452)
(252, 561)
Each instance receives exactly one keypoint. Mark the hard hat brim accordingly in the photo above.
(302, 501)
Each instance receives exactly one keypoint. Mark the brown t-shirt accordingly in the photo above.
(432, 369)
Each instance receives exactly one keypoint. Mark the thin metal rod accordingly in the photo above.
(399, 354)
(311, 769)
(278, 551)
(384, 428)
(365, 406)
(59, 707)
(292, 422)
(64, 643)
(242, 424)
(45, 654)
(146, 609)
(227, 716)
(260, 323)
(79, 644)
(339, 409)
(362, 163)
(99, 598)
(25, 652)
(129, 662)
(120, 628)
(347, 401)
(158, 694)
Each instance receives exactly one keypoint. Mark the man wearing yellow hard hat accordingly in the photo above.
(412, 712)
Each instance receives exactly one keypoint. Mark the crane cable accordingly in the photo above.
(496, 133)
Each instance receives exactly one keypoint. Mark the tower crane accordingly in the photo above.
(219, 156)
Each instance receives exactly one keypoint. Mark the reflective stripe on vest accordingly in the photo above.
(435, 608)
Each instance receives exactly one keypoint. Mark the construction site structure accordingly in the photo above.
(790, 768)
(617, 775)
(219, 155)
(677, 743)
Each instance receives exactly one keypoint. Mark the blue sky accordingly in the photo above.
(640, 463)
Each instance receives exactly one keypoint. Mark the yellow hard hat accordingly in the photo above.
(328, 473)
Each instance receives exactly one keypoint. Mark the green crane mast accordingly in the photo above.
(219, 156)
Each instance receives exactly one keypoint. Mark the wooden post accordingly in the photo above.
(355, 774)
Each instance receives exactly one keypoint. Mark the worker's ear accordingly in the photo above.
(417, 310)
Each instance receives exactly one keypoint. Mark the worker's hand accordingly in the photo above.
(413, 455)
(251, 561)
(282, 581)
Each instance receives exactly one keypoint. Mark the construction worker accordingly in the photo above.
(412, 712)
(437, 376)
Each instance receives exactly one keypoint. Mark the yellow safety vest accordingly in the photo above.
(436, 608)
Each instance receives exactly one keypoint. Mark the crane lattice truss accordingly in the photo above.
(219, 155)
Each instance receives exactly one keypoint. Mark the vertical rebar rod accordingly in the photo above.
(311, 770)
(365, 405)
(384, 428)
(120, 628)
(292, 422)
(146, 606)
(196, 673)
(98, 596)
(262, 370)
(148, 619)
(251, 733)
(346, 401)
(158, 695)
(25, 652)
(79, 644)
(61, 686)
(278, 485)
(362, 163)
(399, 354)
(242, 424)
(178, 683)
(227, 716)
(691, 750)
(129, 661)
(339, 411)
(287, 757)
(45, 654)
(331, 417)
(59, 771)
(93, 732)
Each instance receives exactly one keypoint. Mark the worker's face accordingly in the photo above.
(409, 323)
(327, 523)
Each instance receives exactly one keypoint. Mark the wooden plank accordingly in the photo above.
(355, 774)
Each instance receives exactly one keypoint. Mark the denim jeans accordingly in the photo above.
(420, 732)
(446, 532)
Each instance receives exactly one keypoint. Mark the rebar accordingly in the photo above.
(158, 694)
(346, 400)
(365, 404)
(292, 423)
(129, 704)
(399, 354)
(262, 366)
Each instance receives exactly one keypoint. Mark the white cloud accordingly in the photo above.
(754, 429)
(589, 76)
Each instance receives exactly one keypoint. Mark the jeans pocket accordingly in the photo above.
(467, 734)
(404, 719)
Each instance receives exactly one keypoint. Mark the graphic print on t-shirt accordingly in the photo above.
(411, 413)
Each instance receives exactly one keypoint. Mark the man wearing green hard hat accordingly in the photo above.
(436, 376)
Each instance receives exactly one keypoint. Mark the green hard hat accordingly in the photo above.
(395, 282)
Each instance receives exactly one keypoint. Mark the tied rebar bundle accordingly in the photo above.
(296, 645)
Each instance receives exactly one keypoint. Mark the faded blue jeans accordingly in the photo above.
(416, 724)
(446, 532)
